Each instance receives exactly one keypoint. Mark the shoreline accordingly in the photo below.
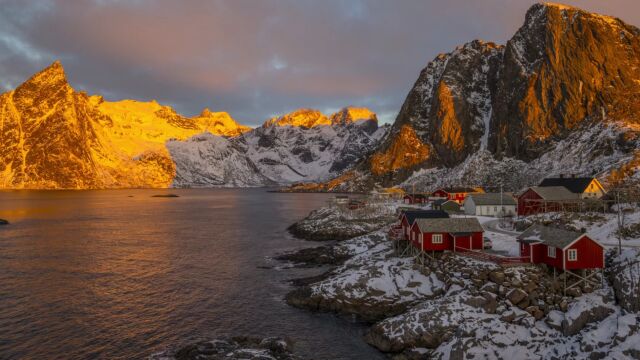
(458, 293)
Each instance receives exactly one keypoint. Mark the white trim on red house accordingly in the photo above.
(580, 237)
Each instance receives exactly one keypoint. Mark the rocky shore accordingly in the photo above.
(334, 223)
(457, 307)
(245, 348)
(4, 222)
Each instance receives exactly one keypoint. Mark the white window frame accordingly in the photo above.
(436, 239)
(551, 252)
(572, 255)
(413, 235)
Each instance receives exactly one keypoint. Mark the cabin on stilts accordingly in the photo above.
(429, 236)
(400, 233)
(576, 254)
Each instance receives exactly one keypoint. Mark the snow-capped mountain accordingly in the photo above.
(563, 95)
(287, 152)
(53, 137)
(207, 160)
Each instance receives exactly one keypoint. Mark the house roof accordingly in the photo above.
(576, 185)
(459, 189)
(493, 199)
(450, 225)
(548, 235)
(440, 201)
(416, 195)
(412, 215)
(554, 193)
(450, 202)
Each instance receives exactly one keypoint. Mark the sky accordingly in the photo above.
(253, 58)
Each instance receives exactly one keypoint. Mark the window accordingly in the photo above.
(551, 252)
(572, 255)
(413, 235)
(495, 209)
(436, 238)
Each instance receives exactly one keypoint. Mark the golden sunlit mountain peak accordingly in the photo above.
(351, 114)
(309, 118)
(300, 118)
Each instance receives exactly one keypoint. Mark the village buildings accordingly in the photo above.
(457, 194)
(490, 204)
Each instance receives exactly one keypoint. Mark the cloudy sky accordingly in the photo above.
(253, 58)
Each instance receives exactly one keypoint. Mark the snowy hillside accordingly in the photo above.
(288, 154)
(207, 160)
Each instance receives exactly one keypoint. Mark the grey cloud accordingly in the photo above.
(253, 58)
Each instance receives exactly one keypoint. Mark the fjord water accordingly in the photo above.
(121, 274)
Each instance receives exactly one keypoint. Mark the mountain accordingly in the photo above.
(306, 145)
(563, 95)
(206, 160)
(53, 137)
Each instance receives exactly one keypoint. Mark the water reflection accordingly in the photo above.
(103, 274)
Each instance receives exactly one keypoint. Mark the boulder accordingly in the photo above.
(4, 222)
(588, 309)
(497, 277)
(516, 296)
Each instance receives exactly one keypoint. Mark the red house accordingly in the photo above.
(539, 199)
(457, 194)
(561, 249)
(415, 199)
(454, 234)
(408, 217)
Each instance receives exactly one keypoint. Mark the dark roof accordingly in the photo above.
(548, 235)
(451, 202)
(576, 185)
(440, 201)
(554, 193)
(424, 214)
(459, 189)
(451, 225)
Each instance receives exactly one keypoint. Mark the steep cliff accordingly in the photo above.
(563, 74)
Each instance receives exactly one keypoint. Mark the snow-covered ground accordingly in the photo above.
(457, 307)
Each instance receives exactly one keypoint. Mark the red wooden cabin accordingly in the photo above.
(447, 234)
(457, 194)
(562, 249)
(538, 199)
(415, 199)
(408, 217)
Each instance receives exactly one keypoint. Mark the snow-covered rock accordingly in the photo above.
(372, 283)
(207, 160)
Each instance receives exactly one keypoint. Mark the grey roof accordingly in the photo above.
(450, 225)
(550, 236)
(412, 215)
(555, 193)
(492, 199)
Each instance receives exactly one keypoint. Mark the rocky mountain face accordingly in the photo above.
(294, 153)
(563, 74)
(53, 137)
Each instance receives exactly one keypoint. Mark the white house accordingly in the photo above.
(490, 204)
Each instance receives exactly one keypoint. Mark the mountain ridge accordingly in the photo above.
(54, 137)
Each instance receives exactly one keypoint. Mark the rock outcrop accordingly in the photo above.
(245, 348)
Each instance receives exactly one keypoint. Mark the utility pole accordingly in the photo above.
(620, 222)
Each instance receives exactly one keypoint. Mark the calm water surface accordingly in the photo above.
(120, 274)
